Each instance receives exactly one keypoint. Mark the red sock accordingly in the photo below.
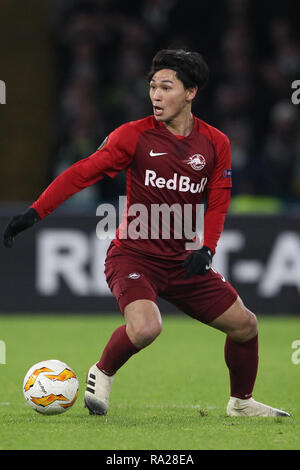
(117, 351)
(242, 362)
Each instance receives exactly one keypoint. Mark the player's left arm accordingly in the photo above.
(218, 202)
(218, 193)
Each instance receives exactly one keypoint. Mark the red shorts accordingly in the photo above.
(132, 276)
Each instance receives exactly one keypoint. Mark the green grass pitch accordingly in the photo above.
(170, 396)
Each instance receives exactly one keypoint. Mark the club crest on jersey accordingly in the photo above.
(197, 162)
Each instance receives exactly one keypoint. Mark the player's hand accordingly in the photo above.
(198, 262)
(17, 224)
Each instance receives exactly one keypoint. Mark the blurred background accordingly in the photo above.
(75, 70)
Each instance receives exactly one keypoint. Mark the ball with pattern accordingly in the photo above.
(50, 387)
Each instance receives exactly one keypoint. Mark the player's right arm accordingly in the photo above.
(113, 156)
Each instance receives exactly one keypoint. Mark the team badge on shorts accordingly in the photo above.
(197, 161)
(134, 275)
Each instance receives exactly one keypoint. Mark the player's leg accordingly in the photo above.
(237, 321)
(241, 357)
(143, 322)
(134, 283)
(213, 301)
(143, 325)
(241, 347)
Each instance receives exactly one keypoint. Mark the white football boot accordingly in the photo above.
(96, 396)
(250, 407)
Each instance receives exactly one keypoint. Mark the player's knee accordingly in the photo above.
(248, 327)
(150, 333)
(143, 322)
(142, 333)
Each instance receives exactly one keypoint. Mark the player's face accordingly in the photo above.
(169, 98)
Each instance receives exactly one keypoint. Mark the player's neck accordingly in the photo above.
(181, 125)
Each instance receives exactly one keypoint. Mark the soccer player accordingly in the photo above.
(175, 160)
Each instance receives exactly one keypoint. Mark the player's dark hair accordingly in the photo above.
(190, 67)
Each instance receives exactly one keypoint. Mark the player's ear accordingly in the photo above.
(191, 93)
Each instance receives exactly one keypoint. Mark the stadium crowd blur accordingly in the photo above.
(103, 52)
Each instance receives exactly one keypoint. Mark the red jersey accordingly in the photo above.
(163, 172)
